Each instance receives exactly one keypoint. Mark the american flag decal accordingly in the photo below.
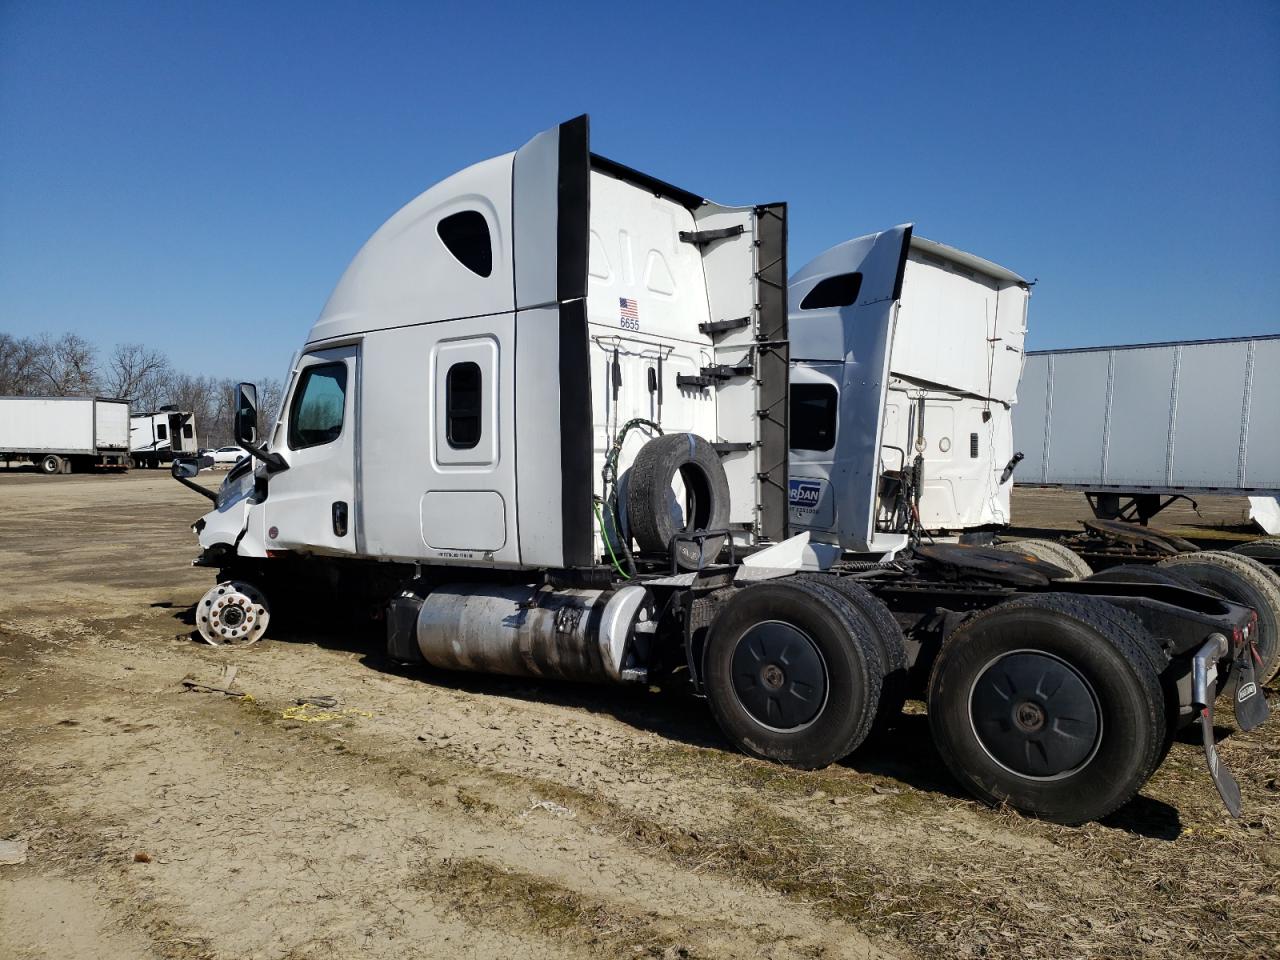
(628, 309)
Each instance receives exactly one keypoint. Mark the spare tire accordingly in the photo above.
(653, 512)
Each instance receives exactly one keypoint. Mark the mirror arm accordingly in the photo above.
(203, 491)
(275, 463)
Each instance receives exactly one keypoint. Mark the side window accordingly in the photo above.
(462, 405)
(319, 402)
(162, 432)
(813, 416)
(187, 431)
(838, 291)
(466, 235)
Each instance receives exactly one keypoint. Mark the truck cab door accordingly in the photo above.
(311, 505)
(842, 307)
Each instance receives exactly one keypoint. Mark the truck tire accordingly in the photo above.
(50, 464)
(890, 644)
(1265, 550)
(1240, 579)
(1074, 754)
(652, 511)
(1053, 552)
(792, 673)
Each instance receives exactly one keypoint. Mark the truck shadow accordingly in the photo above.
(905, 755)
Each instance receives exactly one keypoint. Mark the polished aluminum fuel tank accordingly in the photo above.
(526, 630)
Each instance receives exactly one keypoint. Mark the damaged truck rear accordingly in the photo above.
(542, 429)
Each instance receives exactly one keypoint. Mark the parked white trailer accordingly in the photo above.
(156, 438)
(59, 434)
(1133, 426)
(541, 425)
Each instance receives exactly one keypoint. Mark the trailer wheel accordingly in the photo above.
(792, 673)
(652, 511)
(1240, 579)
(886, 633)
(1052, 704)
(234, 612)
(1051, 551)
(50, 464)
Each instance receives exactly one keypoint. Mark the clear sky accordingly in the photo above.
(198, 174)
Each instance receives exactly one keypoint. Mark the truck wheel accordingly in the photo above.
(652, 511)
(1052, 704)
(234, 612)
(1244, 580)
(886, 634)
(792, 673)
(50, 464)
(1053, 552)
(1265, 550)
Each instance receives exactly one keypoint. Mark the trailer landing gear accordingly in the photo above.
(234, 612)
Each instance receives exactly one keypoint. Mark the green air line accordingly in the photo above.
(609, 546)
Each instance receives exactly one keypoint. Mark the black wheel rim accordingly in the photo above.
(1035, 715)
(779, 676)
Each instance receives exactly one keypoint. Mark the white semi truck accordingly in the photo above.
(156, 438)
(542, 424)
(61, 434)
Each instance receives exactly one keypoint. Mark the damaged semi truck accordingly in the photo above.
(542, 425)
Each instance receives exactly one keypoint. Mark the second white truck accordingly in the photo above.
(61, 434)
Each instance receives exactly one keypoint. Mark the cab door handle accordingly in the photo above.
(339, 518)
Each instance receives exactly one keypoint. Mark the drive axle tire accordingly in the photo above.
(652, 511)
(1244, 580)
(1053, 552)
(1145, 573)
(50, 464)
(886, 634)
(1051, 704)
(792, 673)
(1265, 550)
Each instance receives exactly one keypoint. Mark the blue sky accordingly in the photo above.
(198, 174)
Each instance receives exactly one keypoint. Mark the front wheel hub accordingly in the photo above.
(779, 676)
(232, 613)
(1035, 715)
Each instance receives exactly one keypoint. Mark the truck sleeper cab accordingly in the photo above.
(541, 425)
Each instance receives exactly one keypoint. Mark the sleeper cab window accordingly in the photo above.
(462, 403)
(838, 291)
(466, 236)
(813, 416)
(162, 432)
(319, 402)
(188, 431)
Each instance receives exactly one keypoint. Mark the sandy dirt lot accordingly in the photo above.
(434, 815)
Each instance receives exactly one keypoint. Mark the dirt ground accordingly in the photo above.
(458, 816)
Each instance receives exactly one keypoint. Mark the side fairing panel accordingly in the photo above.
(862, 333)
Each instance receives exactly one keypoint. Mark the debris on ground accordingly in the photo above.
(13, 852)
(325, 702)
(552, 808)
(226, 683)
(308, 713)
(142, 857)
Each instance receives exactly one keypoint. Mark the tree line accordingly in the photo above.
(71, 366)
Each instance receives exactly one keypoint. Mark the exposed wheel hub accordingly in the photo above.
(779, 675)
(1035, 715)
(232, 612)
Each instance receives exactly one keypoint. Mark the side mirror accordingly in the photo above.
(185, 469)
(246, 420)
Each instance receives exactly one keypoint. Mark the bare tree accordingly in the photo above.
(65, 367)
(17, 365)
(139, 373)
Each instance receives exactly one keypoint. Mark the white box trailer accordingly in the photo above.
(541, 425)
(61, 433)
(156, 438)
(1135, 426)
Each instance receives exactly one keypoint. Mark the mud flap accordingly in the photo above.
(1251, 704)
(1204, 685)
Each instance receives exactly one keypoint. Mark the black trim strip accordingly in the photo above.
(652, 184)
(573, 206)
(902, 264)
